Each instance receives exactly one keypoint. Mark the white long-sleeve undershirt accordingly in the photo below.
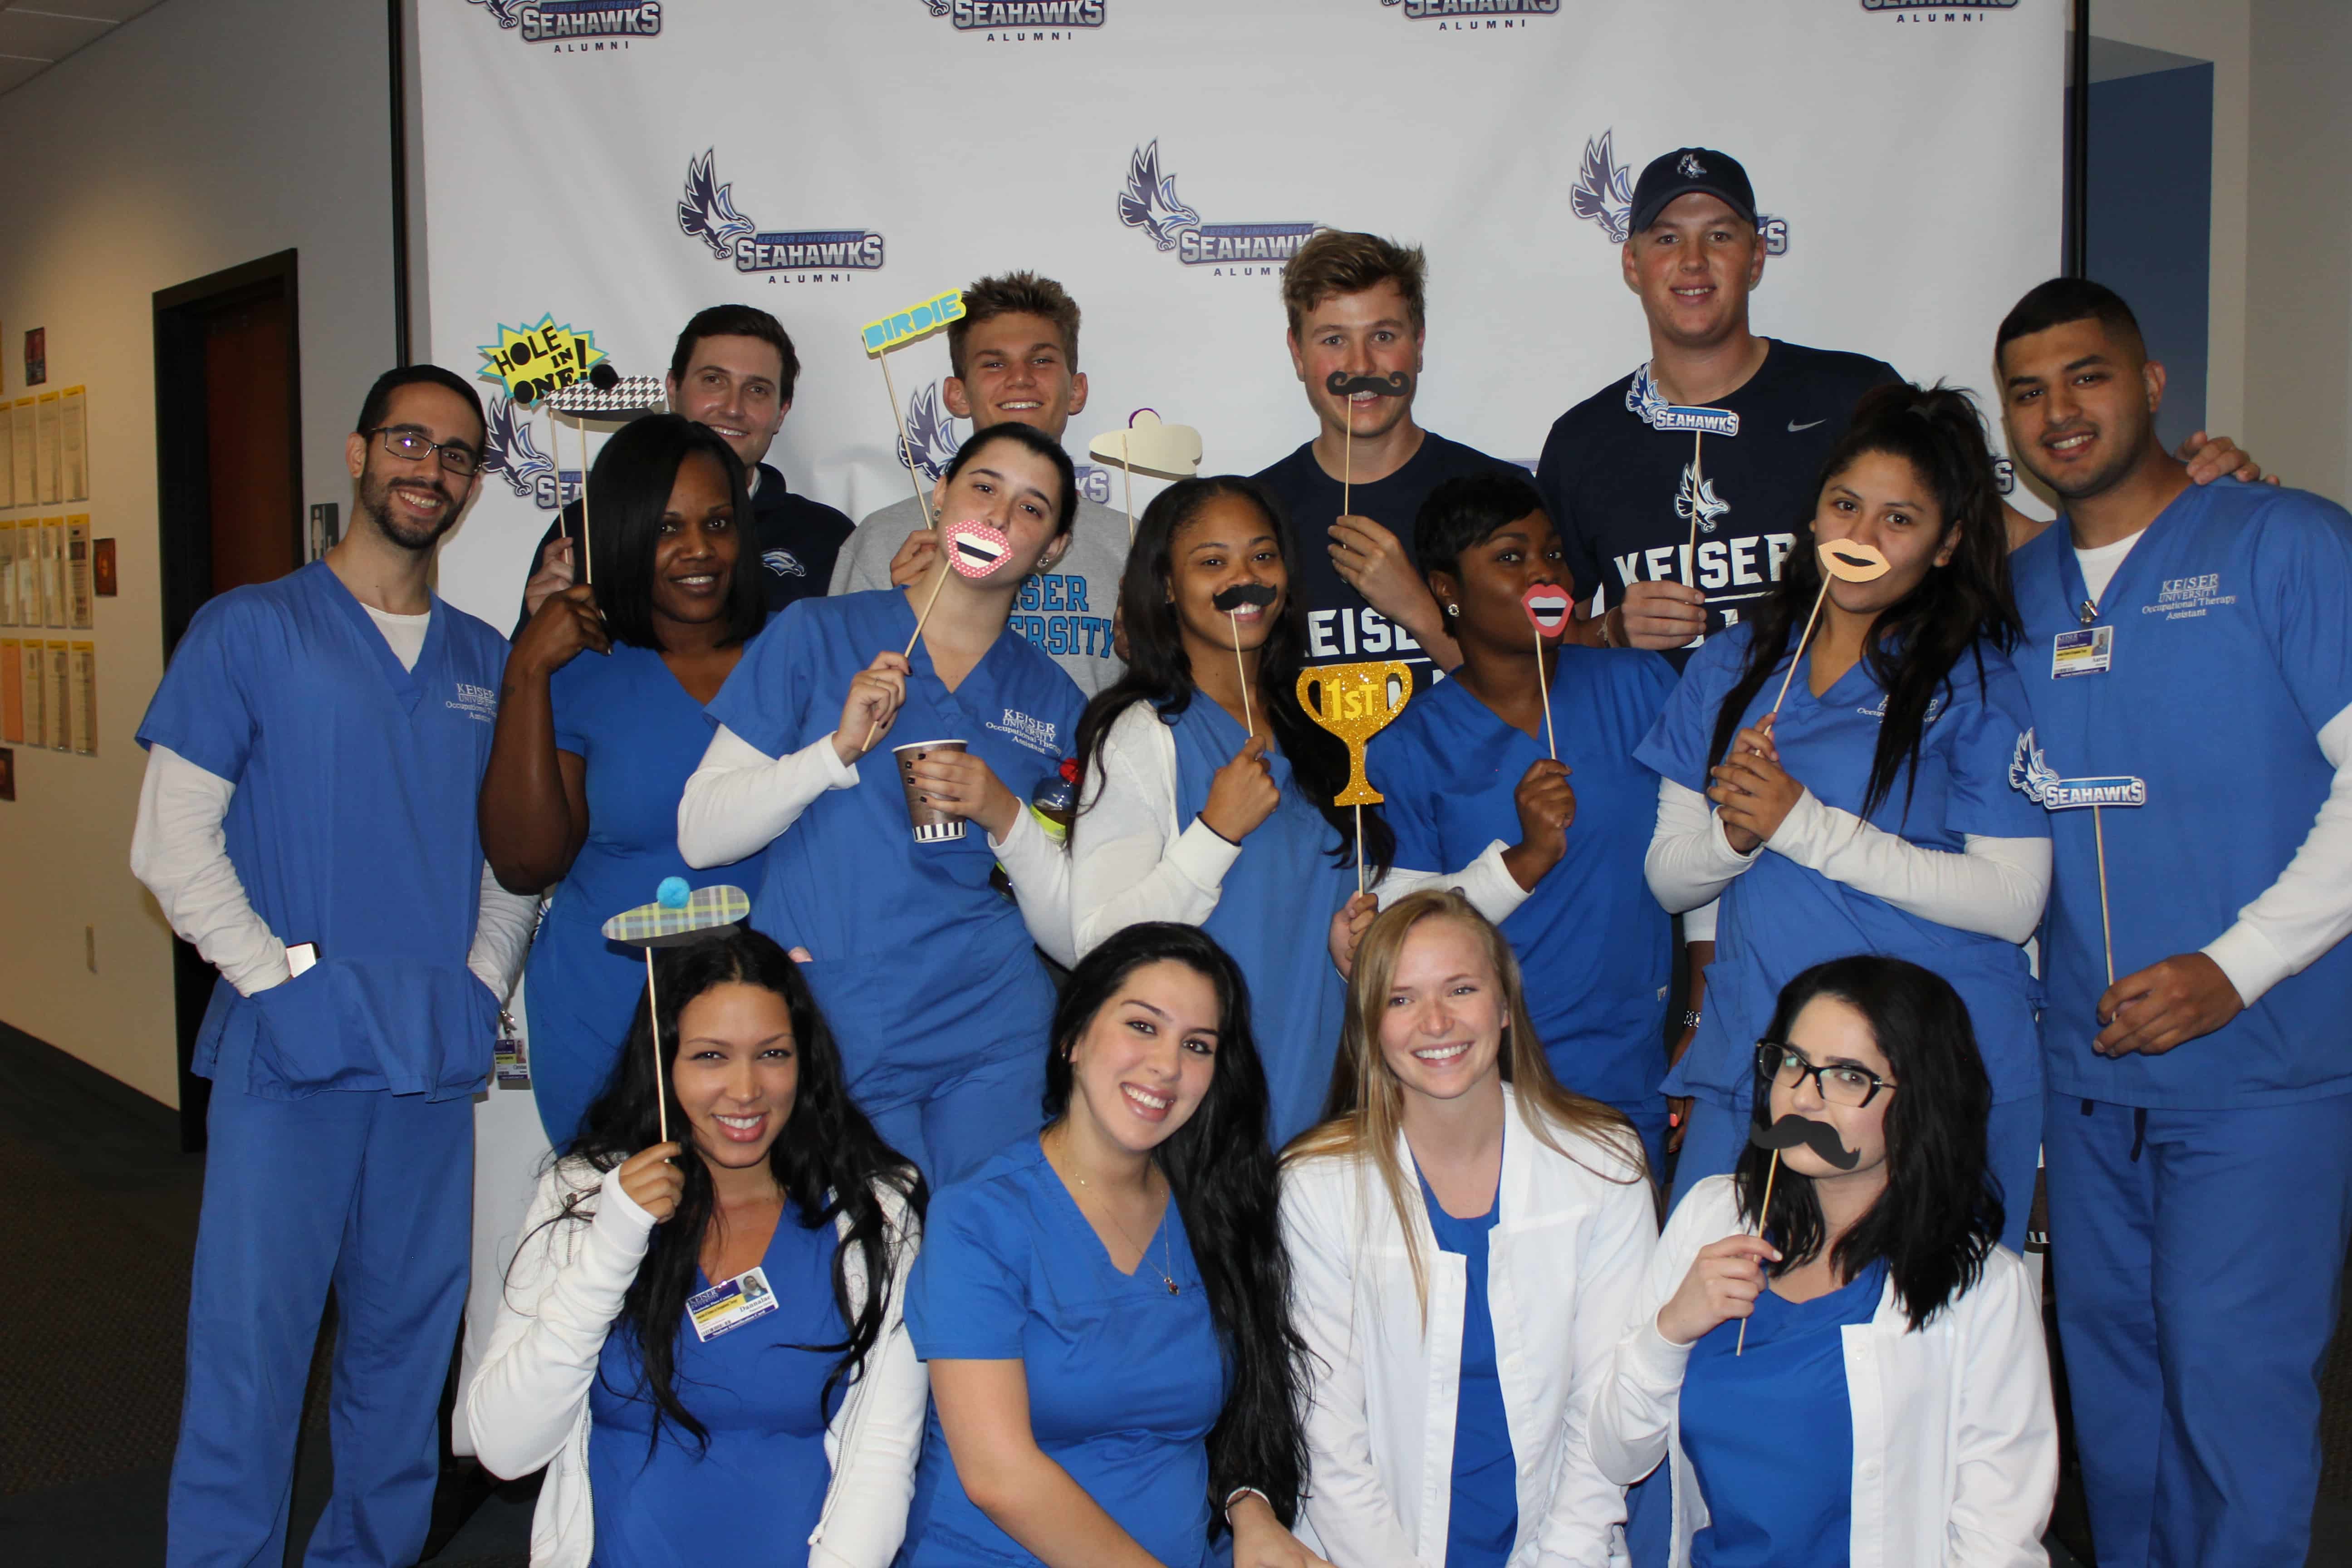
(739, 800)
(180, 851)
(2308, 909)
(1995, 887)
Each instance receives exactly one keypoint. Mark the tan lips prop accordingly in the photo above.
(1848, 561)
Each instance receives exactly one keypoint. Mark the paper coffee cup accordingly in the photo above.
(933, 825)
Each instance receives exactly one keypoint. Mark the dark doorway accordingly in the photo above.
(228, 461)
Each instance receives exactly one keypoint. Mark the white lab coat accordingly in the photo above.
(528, 1406)
(1955, 1439)
(1565, 1266)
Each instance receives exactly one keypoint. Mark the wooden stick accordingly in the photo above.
(1348, 458)
(1690, 561)
(1247, 722)
(906, 447)
(653, 1017)
(1551, 741)
(1799, 654)
(1359, 849)
(2106, 931)
(587, 550)
(938, 583)
(1763, 1216)
(1129, 472)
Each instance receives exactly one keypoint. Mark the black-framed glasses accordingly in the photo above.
(415, 446)
(1838, 1084)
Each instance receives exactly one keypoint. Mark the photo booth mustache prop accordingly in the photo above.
(1341, 385)
(677, 916)
(1148, 447)
(1547, 606)
(1847, 560)
(1230, 601)
(1355, 703)
(1790, 1132)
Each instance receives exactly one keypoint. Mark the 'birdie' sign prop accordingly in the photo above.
(877, 338)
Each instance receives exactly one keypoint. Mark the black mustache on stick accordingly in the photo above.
(1339, 384)
(1821, 1138)
(1240, 594)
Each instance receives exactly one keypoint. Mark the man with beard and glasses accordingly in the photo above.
(1355, 303)
(308, 822)
(2186, 657)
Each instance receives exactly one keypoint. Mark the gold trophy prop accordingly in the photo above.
(1355, 703)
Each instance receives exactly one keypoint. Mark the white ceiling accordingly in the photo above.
(37, 34)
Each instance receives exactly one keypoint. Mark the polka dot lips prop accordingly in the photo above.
(976, 550)
(677, 916)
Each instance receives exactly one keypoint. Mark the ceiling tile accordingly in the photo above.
(46, 37)
(15, 72)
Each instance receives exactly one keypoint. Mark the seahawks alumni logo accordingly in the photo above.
(606, 24)
(2031, 775)
(1469, 10)
(1604, 195)
(707, 212)
(508, 451)
(1149, 203)
(967, 14)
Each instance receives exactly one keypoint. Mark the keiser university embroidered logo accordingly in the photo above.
(585, 24)
(1148, 202)
(479, 703)
(1604, 195)
(970, 16)
(2031, 775)
(1036, 734)
(706, 212)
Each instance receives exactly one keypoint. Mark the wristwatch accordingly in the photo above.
(1691, 1018)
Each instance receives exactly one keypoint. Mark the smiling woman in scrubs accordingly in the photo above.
(1875, 813)
(1551, 851)
(705, 1334)
(1461, 1176)
(1890, 1407)
(1185, 815)
(1105, 1306)
(591, 754)
(928, 974)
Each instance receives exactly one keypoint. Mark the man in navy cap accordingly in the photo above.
(1622, 492)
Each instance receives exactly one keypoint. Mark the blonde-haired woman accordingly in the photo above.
(1466, 1240)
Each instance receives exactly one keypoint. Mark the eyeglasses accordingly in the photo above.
(1786, 1065)
(417, 447)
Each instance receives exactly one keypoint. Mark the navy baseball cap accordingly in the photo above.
(1689, 169)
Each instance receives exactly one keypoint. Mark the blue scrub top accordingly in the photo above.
(639, 735)
(762, 1478)
(2233, 649)
(1125, 1380)
(1483, 1521)
(924, 971)
(1595, 948)
(1274, 916)
(353, 827)
(1771, 1433)
(1779, 918)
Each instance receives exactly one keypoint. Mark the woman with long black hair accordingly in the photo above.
(701, 1339)
(1889, 1406)
(1185, 815)
(1875, 813)
(1106, 1305)
(591, 754)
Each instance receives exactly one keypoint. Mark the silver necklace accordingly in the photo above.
(1144, 1252)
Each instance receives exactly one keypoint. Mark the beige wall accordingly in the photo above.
(203, 134)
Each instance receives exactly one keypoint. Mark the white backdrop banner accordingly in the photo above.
(614, 167)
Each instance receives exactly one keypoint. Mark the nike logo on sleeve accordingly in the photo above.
(1794, 427)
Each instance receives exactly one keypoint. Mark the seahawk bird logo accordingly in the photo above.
(931, 440)
(783, 563)
(938, 7)
(1604, 188)
(507, 448)
(1696, 500)
(707, 212)
(1691, 168)
(508, 12)
(1644, 400)
(1150, 202)
(2029, 774)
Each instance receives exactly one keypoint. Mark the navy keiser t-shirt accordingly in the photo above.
(1612, 483)
(1341, 628)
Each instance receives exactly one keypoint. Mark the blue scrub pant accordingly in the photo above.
(2012, 1152)
(965, 1119)
(2195, 1256)
(372, 1192)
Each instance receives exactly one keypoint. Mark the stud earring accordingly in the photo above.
(1453, 609)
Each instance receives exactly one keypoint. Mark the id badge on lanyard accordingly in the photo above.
(2088, 650)
(731, 1304)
